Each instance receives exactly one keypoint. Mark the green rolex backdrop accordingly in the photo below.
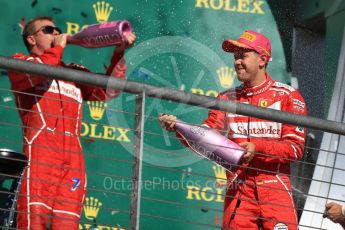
(178, 46)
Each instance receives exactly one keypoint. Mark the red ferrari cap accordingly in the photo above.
(249, 40)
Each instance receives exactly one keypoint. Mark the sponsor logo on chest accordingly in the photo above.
(256, 129)
(64, 88)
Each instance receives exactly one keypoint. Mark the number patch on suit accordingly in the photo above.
(76, 184)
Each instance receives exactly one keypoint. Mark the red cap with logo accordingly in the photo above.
(249, 40)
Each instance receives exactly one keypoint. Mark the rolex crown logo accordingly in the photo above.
(220, 175)
(226, 76)
(96, 109)
(91, 208)
(102, 11)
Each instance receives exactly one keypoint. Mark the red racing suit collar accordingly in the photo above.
(250, 91)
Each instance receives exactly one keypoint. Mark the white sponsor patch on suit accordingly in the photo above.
(280, 226)
(256, 129)
(298, 102)
(285, 86)
(66, 89)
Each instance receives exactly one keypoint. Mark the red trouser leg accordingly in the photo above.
(277, 204)
(33, 216)
(71, 192)
(241, 210)
(37, 189)
(264, 201)
(52, 187)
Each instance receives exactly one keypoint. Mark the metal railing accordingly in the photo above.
(171, 94)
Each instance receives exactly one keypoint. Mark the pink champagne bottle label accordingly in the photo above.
(212, 145)
(101, 35)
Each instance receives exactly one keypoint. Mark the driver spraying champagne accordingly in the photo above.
(210, 144)
(259, 192)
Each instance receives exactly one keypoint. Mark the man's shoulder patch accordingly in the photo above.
(284, 86)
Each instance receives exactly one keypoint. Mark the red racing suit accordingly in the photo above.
(259, 193)
(54, 184)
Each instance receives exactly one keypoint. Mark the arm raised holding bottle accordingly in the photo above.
(51, 114)
(117, 67)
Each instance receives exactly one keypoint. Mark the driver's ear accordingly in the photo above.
(263, 60)
(31, 40)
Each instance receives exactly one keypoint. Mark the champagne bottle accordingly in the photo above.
(212, 145)
(101, 35)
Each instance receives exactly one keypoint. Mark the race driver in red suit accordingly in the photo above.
(259, 194)
(51, 111)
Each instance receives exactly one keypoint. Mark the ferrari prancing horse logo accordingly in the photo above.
(263, 103)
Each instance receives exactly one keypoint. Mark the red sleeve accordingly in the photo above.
(116, 69)
(23, 81)
(292, 141)
(52, 56)
(117, 66)
(216, 118)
